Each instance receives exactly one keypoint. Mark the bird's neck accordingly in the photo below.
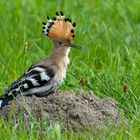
(60, 57)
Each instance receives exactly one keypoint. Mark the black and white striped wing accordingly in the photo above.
(36, 80)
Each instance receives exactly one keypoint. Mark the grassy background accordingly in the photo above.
(108, 29)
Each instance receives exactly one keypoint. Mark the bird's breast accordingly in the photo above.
(61, 74)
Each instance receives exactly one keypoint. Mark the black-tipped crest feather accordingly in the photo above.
(59, 27)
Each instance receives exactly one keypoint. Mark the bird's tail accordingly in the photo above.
(5, 98)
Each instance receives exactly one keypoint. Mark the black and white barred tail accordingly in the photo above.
(38, 80)
(5, 99)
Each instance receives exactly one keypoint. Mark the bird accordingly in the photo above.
(46, 75)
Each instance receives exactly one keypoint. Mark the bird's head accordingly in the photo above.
(61, 31)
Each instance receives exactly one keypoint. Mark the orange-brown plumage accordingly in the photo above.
(59, 28)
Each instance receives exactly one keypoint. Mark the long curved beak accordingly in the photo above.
(77, 47)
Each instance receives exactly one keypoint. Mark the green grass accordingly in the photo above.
(108, 29)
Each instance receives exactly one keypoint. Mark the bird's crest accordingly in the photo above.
(59, 28)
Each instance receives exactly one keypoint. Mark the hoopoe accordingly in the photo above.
(46, 75)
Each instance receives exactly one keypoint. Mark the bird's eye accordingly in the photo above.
(60, 43)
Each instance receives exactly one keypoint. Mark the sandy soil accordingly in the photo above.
(72, 110)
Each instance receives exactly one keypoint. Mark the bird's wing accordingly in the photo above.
(33, 81)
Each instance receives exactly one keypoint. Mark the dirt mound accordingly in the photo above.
(72, 110)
